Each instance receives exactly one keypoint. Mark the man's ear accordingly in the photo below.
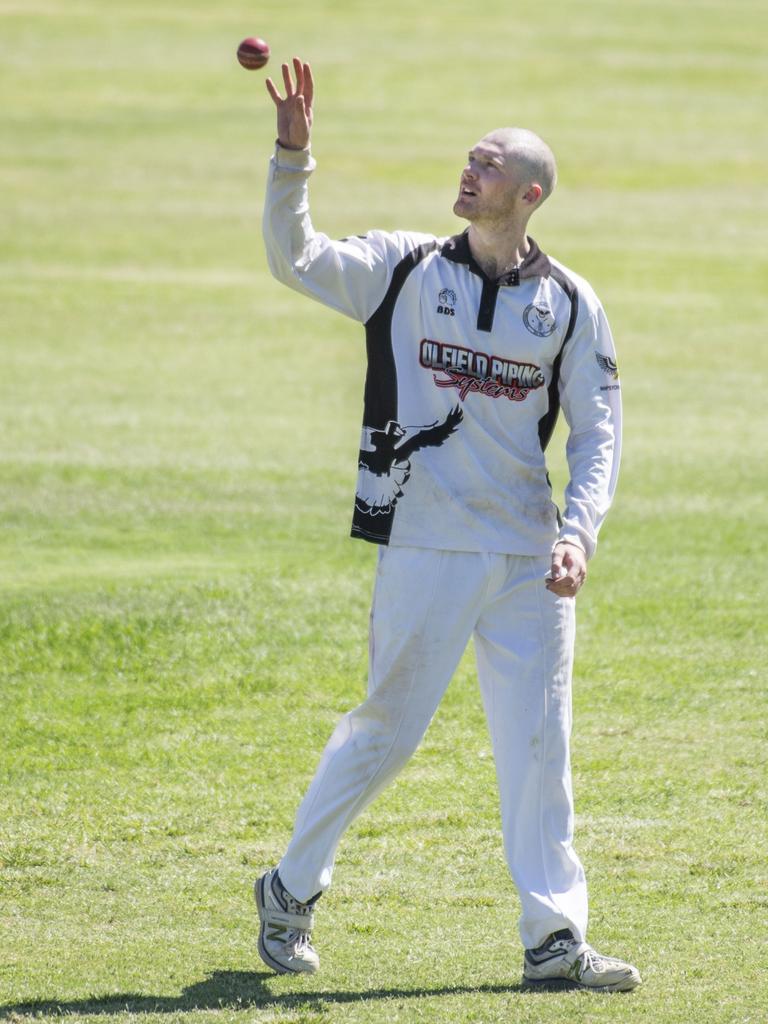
(534, 194)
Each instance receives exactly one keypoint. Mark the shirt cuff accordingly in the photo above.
(567, 536)
(294, 159)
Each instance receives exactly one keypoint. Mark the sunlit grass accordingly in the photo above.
(183, 617)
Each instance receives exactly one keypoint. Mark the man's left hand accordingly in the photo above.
(568, 570)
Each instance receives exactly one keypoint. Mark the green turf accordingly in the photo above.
(176, 642)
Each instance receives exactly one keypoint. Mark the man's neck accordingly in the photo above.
(498, 250)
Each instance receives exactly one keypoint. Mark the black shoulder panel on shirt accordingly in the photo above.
(380, 400)
(549, 419)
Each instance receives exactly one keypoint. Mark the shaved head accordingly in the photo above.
(526, 151)
(508, 175)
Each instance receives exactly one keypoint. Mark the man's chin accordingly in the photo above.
(460, 209)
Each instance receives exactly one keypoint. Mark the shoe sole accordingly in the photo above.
(561, 984)
(258, 895)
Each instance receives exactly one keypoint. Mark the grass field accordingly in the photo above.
(176, 645)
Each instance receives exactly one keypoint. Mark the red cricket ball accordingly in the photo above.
(253, 53)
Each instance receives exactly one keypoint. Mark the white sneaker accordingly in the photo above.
(286, 926)
(563, 960)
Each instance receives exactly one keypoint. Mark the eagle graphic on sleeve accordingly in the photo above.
(607, 365)
(385, 469)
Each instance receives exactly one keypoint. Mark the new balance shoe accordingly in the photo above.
(563, 961)
(286, 927)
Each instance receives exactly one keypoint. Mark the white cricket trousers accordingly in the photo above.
(426, 605)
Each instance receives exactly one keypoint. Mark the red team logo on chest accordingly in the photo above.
(473, 372)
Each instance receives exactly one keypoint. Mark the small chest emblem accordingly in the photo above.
(539, 320)
(446, 302)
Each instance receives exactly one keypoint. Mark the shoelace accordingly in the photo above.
(302, 935)
(590, 959)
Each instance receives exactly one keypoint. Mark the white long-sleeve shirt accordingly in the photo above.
(465, 380)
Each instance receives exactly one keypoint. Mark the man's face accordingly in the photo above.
(490, 184)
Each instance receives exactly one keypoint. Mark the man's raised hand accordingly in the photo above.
(294, 112)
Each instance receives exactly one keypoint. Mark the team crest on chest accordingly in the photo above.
(539, 319)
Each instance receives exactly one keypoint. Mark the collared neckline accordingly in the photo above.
(535, 264)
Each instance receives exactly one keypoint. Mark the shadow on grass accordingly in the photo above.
(232, 990)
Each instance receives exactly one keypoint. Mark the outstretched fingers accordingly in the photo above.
(272, 90)
(302, 86)
(298, 71)
(289, 89)
(294, 104)
(305, 85)
(309, 84)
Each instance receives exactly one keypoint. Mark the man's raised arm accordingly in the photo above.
(350, 275)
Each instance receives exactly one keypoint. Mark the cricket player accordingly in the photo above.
(474, 344)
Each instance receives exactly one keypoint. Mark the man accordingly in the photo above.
(474, 343)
